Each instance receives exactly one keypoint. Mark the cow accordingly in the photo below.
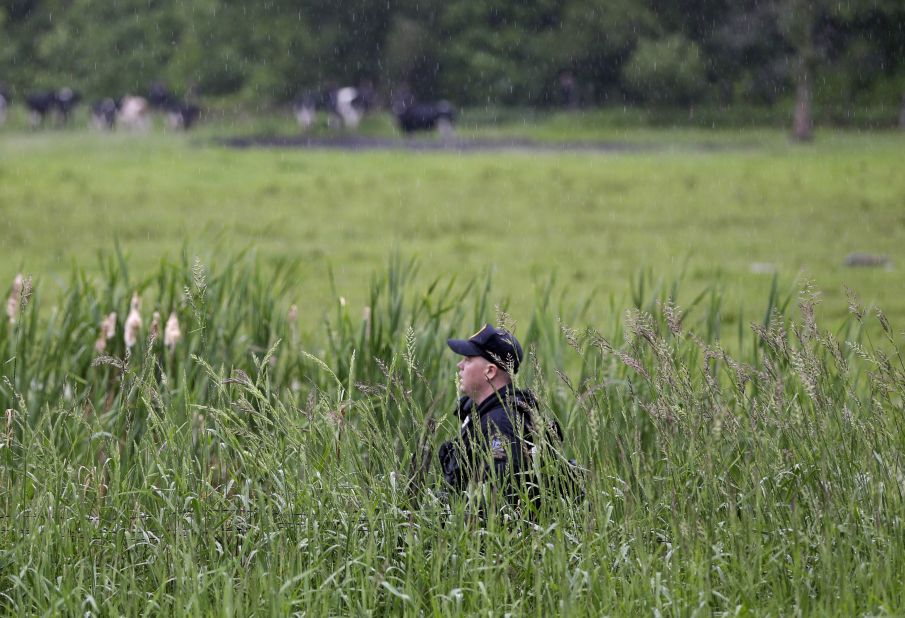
(67, 99)
(40, 104)
(4, 105)
(104, 112)
(414, 116)
(346, 106)
(134, 113)
(182, 115)
(160, 97)
(304, 108)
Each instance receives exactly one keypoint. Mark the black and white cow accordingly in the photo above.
(181, 115)
(134, 114)
(67, 99)
(61, 101)
(304, 108)
(346, 106)
(414, 116)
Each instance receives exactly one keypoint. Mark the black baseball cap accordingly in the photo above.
(498, 346)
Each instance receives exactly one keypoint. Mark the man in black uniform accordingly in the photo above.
(495, 416)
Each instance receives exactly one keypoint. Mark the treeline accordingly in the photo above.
(537, 53)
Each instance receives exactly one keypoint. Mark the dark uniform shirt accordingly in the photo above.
(494, 441)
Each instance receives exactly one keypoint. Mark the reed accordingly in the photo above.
(247, 466)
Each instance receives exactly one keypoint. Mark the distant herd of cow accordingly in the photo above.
(345, 108)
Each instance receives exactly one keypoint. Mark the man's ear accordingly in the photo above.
(491, 371)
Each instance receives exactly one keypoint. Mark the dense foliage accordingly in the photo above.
(231, 471)
(470, 51)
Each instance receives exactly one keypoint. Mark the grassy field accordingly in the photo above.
(231, 472)
(724, 214)
(272, 464)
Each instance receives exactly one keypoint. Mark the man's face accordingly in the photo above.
(472, 375)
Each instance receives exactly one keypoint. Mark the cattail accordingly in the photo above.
(366, 316)
(155, 328)
(293, 314)
(108, 330)
(108, 326)
(133, 323)
(172, 334)
(12, 305)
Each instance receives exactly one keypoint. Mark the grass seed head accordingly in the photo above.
(808, 299)
(884, 322)
(133, 322)
(673, 316)
(172, 334)
(854, 305)
(571, 336)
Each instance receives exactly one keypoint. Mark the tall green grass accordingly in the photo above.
(255, 470)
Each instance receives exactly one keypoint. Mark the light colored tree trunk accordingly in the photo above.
(799, 26)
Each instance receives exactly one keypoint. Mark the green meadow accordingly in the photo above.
(697, 208)
(738, 419)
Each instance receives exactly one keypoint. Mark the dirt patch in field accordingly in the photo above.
(359, 143)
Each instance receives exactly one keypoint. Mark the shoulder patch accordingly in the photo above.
(497, 447)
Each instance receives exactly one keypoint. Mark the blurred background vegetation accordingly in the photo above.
(848, 56)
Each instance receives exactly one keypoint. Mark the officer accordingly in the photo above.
(495, 416)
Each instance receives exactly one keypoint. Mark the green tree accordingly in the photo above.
(260, 49)
(347, 38)
(669, 70)
(597, 38)
(500, 52)
(106, 48)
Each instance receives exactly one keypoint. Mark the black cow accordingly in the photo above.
(4, 104)
(39, 105)
(413, 116)
(103, 113)
(160, 97)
